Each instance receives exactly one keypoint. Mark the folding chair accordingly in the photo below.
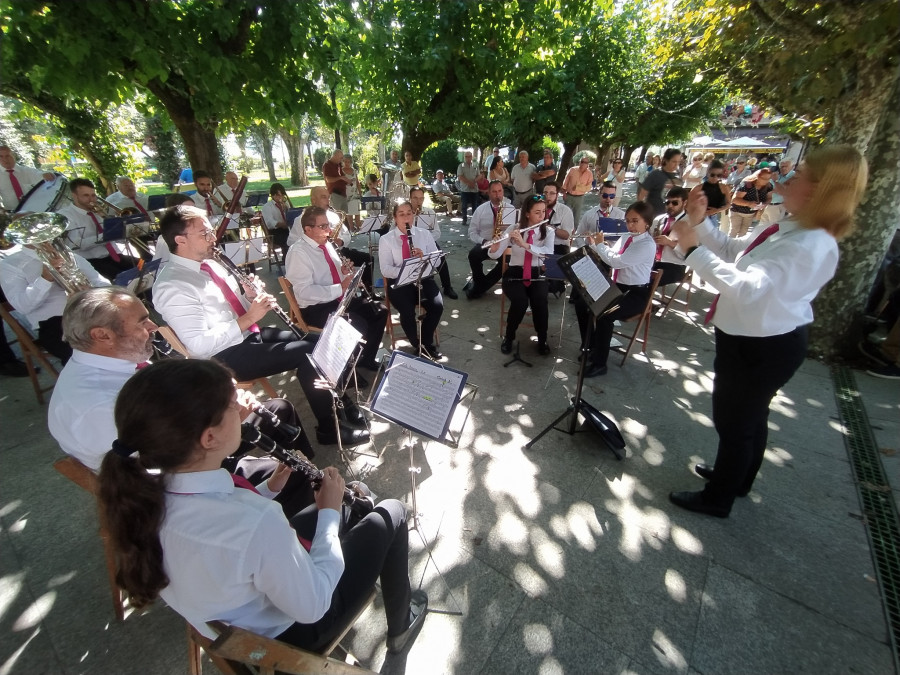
(178, 346)
(687, 282)
(31, 352)
(393, 323)
(293, 308)
(641, 320)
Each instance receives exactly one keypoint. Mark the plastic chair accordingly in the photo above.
(31, 352)
(641, 320)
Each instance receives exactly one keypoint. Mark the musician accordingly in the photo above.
(227, 189)
(484, 221)
(522, 282)
(416, 200)
(335, 181)
(411, 169)
(631, 260)
(31, 288)
(402, 242)
(128, 197)
(562, 220)
(590, 221)
(201, 301)
(766, 281)
(204, 197)
(274, 214)
(224, 553)
(16, 180)
(313, 266)
(85, 230)
(669, 258)
(161, 251)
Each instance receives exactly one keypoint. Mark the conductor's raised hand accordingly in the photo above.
(696, 207)
(330, 494)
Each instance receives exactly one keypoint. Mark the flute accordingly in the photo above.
(504, 237)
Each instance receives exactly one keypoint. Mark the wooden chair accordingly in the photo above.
(294, 308)
(274, 256)
(178, 346)
(641, 320)
(86, 479)
(687, 282)
(239, 652)
(31, 352)
(393, 323)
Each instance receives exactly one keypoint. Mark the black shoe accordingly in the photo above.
(352, 415)
(469, 287)
(450, 293)
(431, 352)
(704, 471)
(595, 370)
(418, 608)
(873, 353)
(506, 346)
(368, 365)
(694, 501)
(543, 348)
(14, 368)
(349, 436)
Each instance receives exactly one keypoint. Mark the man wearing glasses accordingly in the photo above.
(576, 185)
(590, 221)
(669, 259)
(205, 307)
(741, 171)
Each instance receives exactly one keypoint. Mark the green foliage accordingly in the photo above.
(162, 139)
(441, 155)
(320, 156)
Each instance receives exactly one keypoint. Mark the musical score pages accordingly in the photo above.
(591, 277)
(334, 348)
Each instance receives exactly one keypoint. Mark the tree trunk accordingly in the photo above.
(839, 307)
(856, 117)
(629, 151)
(264, 142)
(642, 156)
(416, 141)
(570, 147)
(295, 153)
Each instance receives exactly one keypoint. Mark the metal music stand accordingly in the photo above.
(369, 225)
(413, 271)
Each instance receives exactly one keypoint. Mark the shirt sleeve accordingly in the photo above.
(23, 294)
(632, 256)
(388, 259)
(299, 272)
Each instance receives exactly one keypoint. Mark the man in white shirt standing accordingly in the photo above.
(467, 178)
(670, 259)
(481, 231)
(522, 175)
(16, 180)
(202, 303)
(128, 197)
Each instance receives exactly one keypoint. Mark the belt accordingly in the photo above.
(524, 192)
(629, 287)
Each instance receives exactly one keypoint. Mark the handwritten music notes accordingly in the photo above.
(591, 277)
(419, 395)
(334, 348)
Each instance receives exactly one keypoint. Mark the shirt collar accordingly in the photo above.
(103, 362)
(198, 482)
(186, 262)
(310, 241)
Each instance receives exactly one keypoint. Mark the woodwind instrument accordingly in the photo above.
(498, 223)
(504, 237)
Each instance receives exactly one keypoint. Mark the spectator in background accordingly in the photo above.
(616, 176)
(354, 190)
(410, 169)
(643, 169)
(467, 177)
(751, 198)
(483, 185)
(544, 172)
(693, 175)
(718, 193)
(659, 182)
(497, 171)
(774, 212)
(443, 194)
(335, 181)
(576, 185)
(739, 172)
(657, 162)
(522, 175)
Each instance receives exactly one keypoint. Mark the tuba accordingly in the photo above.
(44, 232)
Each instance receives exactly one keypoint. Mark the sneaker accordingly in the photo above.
(888, 372)
(418, 608)
(873, 353)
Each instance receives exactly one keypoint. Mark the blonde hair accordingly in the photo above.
(709, 156)
(840, 174)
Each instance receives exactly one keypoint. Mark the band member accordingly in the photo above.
(111, 334)
(521, 282)
(128, 197)
(85, 231)
(31, 289)
(485, 221)
(16, 180)
(224, 553)
(274, 214)
(668, 258)
(226, 190)
(590, 221)
(204, 197)
(631, 260)
(402, 242)
(416, 200)
(313, 266)
(561, 218)
(201, 301)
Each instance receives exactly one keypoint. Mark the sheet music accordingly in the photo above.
(426, 221)
(371, 223)
(419, 395)
(335, 347)
(409, 270)
(245, 251)
(590, 275)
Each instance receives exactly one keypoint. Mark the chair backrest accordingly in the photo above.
(655, 276)
(31, 351)
(78, 473)
(295, 314)
(169, 335)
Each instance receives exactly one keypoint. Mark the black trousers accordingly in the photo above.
(50, 337)
(369, 318)
(279, 239)
(109, 268)
(632, 301)
(467, 199)
(444, 271)
(749, 371)
(405, 299)
(376, 548)
(358, 258)
(671, 273)
(558, 285)
(274, 351)
(481, 282)
(520, 296)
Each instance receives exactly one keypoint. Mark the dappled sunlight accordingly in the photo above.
(654, 451)
(693, 388)
(676, 585)
(538, 638)
(526, 576)
(685, 540)
(35, 612)
(778, 456)
(548, 554)
(783, 408)
(10, 507)
(666, 651)
(510, 532)
(19, 524)
(579, 524)
(10, 587)
(813, 403)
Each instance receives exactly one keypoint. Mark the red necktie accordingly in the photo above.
(209, 210)
(109, 247)
(141, 208)
(765, 234)
(406, 251)
(615, 274)
(665, 231)
(16, 186)
(241, 482)
(283, 219)
(335, 277)
(141, 366)
(230, 297)
(526, 273)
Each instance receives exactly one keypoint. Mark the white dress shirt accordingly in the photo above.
(427, 220)
(539, 247)
(31, 294)
(562, 218)
(80, 415)
(27, 176)
(83, 232)
(590, 220)
(229, 194)
(193, 306)
(634, 263)
(231, 555)
(272, 214)
(669, 254)
(390, 249)
(481, 224)
(333, 220)
(121, 201)
(769, 291)
(200, 203)
(521, 177)
(307, 269)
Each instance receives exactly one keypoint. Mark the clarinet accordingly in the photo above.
(244, 279)
(285, 433)
(358, 505)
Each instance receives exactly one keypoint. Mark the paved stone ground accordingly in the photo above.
(561, 559)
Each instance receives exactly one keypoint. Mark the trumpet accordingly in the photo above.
(504, 237)
(226, 204)
(109, 206)
(212, 197)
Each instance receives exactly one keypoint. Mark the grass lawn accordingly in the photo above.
(257, 181)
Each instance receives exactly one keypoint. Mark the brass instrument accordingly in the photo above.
(504, 237)
(109, 206)
(44, 233)
(212, 197)
(498, 223)
(225, 204)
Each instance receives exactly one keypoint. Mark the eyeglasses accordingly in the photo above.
(608, 195)
(714, 175)
(537, 198)
(673, 202)
(207, 233)
(323, 226)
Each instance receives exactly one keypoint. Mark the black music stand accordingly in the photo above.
(413, 271)
(585, 270)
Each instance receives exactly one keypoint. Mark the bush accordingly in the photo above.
(440, 155)
(320, 156)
